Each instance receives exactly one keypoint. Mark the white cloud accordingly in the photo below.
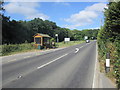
(86, 16)
(26, 9)
(82, 17)
(71, 26)
(95, 28)
(96, 7)
(40, 15)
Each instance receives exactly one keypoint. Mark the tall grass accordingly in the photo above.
(12, 48)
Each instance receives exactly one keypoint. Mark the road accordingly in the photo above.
(71, 67)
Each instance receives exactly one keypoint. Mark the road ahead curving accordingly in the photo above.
(71, 67)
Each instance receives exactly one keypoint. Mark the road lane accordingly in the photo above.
(73, 70)
(16, 68)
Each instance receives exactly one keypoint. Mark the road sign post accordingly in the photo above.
(66, 40)
(57, 38)
(107, 65)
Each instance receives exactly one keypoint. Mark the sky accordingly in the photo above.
(72, 15)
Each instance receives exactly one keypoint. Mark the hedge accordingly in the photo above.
(7, 49)
(114, 49)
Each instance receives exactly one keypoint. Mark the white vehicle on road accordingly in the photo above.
(87, 41)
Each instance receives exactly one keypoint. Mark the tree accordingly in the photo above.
(112, 20)
(1, 6)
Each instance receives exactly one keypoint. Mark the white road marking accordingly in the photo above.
(12, 60)
(94, 77)
(81, 46)
(76, 50)
(27, 56)
(19, 77)
(16, 59)
(51, 61)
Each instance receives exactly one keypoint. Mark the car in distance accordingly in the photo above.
(87, 41)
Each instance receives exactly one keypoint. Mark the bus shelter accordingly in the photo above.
(42, 40)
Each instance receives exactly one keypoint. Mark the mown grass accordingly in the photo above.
(67, 44)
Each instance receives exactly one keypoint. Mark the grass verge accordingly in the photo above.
(29, 47)
(102, 59)
(67, 44)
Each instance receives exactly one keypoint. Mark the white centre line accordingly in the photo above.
(12, 60)
(82, 46)
(52, 61)
(77, 49)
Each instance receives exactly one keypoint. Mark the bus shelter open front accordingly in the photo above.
(42, 41)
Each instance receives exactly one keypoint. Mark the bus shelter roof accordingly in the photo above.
(41, 35)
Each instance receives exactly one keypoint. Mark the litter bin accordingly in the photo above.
(39, 47)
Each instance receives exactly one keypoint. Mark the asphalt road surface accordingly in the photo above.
(71, 67)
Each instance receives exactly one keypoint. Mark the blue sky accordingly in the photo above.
(72, 15)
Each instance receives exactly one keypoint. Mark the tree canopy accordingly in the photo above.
(15, 32)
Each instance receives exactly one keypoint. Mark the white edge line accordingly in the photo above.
(93, 85)
(51, 61)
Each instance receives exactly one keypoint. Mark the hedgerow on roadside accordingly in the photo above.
(109, 39)
(8, 49)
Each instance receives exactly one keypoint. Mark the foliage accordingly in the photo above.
(1, 6)
(7, 49)
(16, 32)
(109, 37)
